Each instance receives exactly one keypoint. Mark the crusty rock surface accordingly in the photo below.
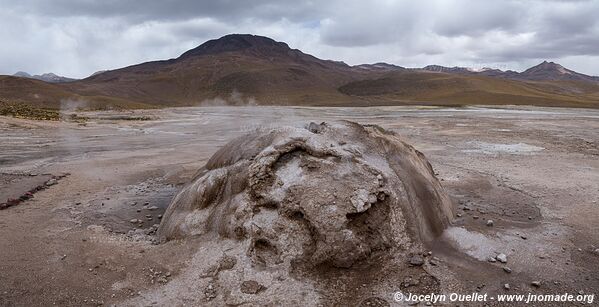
(332, 194)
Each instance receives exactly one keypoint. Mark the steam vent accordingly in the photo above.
(328, 194)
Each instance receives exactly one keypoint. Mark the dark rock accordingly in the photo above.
(251, 287)
(227, 263)
(416, 260)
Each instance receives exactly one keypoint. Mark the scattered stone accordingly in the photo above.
(153, 208)
(51, 182)
(316, 128)
(134, 221)
(507, 270)
(530, 217)
(475, 217)
(523, 237)
(489, 223)
(63, 257)
(459, 215)
(251, 287)
(416, 260)
(501, 258)
(209, 292)
(210, 271)
(162, 279)
(536, 283)
(596, 251)
(408, 282)
(227, 263)
(492, 259)
(506, 286)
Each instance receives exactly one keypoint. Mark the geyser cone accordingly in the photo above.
(325, 194)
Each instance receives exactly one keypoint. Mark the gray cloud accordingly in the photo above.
(76, 38)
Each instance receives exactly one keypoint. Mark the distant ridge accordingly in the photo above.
(545, 71)
(553, 71)
(47, 77)
(240, 69)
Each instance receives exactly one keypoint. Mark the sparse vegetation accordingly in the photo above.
(21, 110)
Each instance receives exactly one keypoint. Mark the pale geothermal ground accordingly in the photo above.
(533, 171)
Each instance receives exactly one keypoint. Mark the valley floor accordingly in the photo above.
(533, 171)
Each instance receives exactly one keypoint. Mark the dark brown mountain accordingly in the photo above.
(549, 71)
(546, 71)
(433, 88)
(253, 67)
(247, 69)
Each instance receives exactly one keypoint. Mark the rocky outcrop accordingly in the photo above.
(328, 194)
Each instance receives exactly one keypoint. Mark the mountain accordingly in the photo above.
(450, 70)
(379, 67)
(549, 71)
(432, 88)
(22, 74)
(255, 68)
(47, 77)
(546, 71)
(241, 69)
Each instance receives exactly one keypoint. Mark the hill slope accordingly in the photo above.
(39, 94)
(247, 67)
(457, 89)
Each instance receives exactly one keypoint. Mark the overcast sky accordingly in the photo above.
(76, 38)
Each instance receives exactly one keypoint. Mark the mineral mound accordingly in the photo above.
(328, 194)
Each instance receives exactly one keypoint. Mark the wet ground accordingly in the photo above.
(89, 238)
